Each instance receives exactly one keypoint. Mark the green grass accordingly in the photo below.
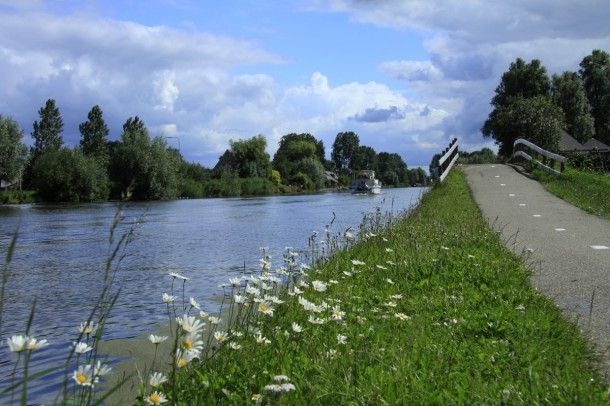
(477, 331)
(588, 190)
(18, 197)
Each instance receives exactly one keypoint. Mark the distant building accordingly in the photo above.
(567, 143)
(331, 178)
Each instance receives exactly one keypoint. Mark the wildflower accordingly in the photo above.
(168, 298)
(520, 308)
(262, 340)
(470, 256)
(349, 235)
(281, 271)
(265, 308)
(273, 299)
(390, 281)
(337, 314)
(81, 348)
(237, 334)
(357, 262)
(332, 354)
(191, 343)
(264, 286)
(235, 282)
(360, 319)
(390, 304)
(265, 265)
(17, 343)
(318, 286)
(194, 303)
(395, 297)
(184, 357)
(234, 346)
(101, 369)
(444, 248)
(284, 387)
(214, 320)
(346, 273)
(155, 398)
(341, 339)
(381, 267)
(390, 263)
(333, 281)
(203, 315)
(156, 339)
(401, 316)
(257, 397)
(189, 324)
(157, 379)
(315, 320)
(296, 328)
(389, 250)
(281, 378)
(176, 275)
(221, 336)
(34, 344)
(251, 290)
(87, 328)
(239, 299)
(305, 268)
(309, 306)
(83, 376)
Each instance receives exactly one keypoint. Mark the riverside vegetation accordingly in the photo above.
(430, 309)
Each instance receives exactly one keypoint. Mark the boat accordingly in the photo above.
(365, 183)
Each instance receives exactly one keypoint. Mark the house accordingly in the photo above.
(567, 143)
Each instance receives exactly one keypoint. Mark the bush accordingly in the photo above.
(190, 189)
(256, 186)
(303, 181)
(314, 171)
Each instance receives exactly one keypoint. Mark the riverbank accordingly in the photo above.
(435, 310)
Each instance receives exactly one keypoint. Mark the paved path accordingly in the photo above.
(564, 245)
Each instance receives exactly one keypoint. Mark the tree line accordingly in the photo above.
(140, 167)
(530, 104)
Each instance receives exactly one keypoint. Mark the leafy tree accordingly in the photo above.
(246, 158)
(12, 151)
(313, 168)
(521, 82)
(537, 119)
(344, 149)
(569, 94)
(94, 133)
(483, 156)
(47, 131)
(595, 73)
(364, 158)
(67, 175)
(391, 169)
(293, 148)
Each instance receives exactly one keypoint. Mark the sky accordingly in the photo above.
(406, 75)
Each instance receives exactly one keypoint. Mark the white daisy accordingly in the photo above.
(265, 308)
(155, 398)
(234, 346)
(221, 336)
(17, 343)
(194, 303)
(156, 339)
(83, 376)
(157, 379)
(190, 324)
(318, 286)
(357, 262)
(168, 298)
(296, 328)
(214, 320)
(81, 348)
(341, 339)
(178, 276)
(34, 344)
(87, 328)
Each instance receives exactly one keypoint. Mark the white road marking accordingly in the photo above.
(511, 195)
(497, 176)
(560, 229)
(537, 215)
(522, 204)
(599, 247)
(502, 184)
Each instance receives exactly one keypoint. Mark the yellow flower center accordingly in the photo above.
(263, 308)
(81, 378)
(187, 344)
(182, 362)
(222, 338)
(155, 399)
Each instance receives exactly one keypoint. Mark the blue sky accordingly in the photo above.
(407, 76)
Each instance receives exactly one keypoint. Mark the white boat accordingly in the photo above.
(365, 183)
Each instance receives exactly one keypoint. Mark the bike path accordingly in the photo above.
(567, 249)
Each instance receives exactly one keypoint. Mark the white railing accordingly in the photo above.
(446, 161)
(543, 153)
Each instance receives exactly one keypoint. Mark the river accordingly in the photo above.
(62, 248)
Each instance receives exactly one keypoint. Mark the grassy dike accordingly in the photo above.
(588, 190)
(440, 313)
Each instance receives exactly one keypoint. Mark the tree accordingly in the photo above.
(569, 94)
(391, 169)
(313, 168)
(364, 158)
(483, 156)
(521, 82)
(246, 158)
(344, 149)
(595, 73)
(47, 132)
(293, 148)
(12, 151)
(537, 119)
(94, 132)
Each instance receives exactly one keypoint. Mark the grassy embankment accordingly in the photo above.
(440, 312)
(585, 189)
(18, 197)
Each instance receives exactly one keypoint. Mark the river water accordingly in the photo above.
(62, 248)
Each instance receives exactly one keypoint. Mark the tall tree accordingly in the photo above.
(569, 94)
(344, 149)
(364, 158)
(294, 148)
(522, 81)
(94, 133)
(12, 150)
(595, 73)
(47, 131)
(246, 158)
(537, 119)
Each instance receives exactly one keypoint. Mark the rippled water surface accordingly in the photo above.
(61, 251)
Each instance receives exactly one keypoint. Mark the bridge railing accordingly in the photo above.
(545, 159)
(448, 157)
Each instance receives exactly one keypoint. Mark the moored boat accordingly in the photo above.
(365, 183)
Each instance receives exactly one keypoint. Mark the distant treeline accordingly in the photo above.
(140, 167)
(483, 156)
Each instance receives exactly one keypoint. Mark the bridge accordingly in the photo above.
(567, 249)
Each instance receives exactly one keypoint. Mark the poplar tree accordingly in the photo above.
(47, 131)
(94, 133)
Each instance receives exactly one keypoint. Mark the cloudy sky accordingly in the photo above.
(406, 75)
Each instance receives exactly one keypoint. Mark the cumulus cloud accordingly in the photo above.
(471, 43)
